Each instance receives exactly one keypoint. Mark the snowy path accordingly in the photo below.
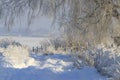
(51, 67)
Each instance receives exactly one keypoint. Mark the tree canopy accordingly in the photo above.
(83, 21)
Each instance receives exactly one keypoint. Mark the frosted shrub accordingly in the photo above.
(18, 57)
(108, 63)
(52, 45)
(105, 60)
(57, 43)
(15, 55)
(57, 46)
(84, 58)
(4, 43)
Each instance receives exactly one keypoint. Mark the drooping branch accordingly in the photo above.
(83, 20)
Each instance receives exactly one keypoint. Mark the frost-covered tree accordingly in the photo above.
(83, 21)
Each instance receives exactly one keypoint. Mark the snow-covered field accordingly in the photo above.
(50, 67)
(18, 63)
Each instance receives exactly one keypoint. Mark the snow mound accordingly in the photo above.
(55, 65)
(17, 57)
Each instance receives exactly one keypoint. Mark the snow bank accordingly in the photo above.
(55, 65)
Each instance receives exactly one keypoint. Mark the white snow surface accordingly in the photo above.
(17, 63)
(51, 67)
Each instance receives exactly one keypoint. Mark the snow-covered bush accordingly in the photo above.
(58, 42)
(83, 58)
(52, 45)
(4, 43)
(105, 60)
(57, 46)
(15, 55)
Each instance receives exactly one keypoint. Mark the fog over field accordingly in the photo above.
(41, 26)
(59, 39)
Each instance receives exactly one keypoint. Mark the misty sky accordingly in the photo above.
(40, 27)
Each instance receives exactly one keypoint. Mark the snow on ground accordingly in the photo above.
(17, 63)
(51, 67)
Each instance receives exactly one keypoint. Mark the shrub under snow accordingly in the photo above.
(50, 46)
(4, 43)
(105, 60)
(16, 56)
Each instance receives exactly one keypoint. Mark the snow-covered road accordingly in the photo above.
(51, 67)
